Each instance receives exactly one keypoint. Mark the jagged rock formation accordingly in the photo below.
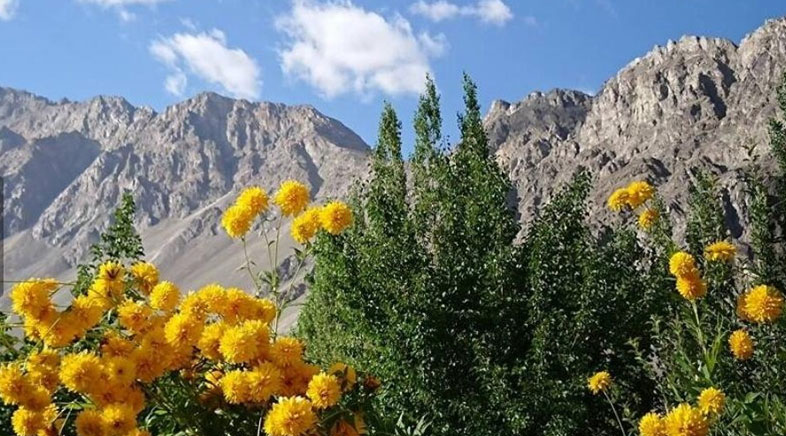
(66, 165)
(698, 102)
(695, 102)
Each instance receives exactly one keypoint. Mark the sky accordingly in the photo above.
(344, 57)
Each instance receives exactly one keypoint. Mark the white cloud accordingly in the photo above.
(487, 11)
(338, 47)
(207, 56)
(8, 9)
(121, 3)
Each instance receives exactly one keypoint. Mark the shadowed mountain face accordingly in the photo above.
(698, 102)
(695, 102)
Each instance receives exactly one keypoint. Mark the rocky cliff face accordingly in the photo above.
(66, 165)
(697, 102)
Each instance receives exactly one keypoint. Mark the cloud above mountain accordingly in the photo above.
(207, 56)
(487, 11)
(338, 47)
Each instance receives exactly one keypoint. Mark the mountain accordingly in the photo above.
(695, 102)
(66, 165)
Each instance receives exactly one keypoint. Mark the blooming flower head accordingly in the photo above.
(110, 276)
(253, 198)
(119, 418)
(720, 251)
(245, 342)
(682, 264)
(599, 382)
(145, 276)
(711, 401)
(91, 423)
(183, 330)
(86, 311)
(685, 420)
(292, 197)
(31, 298)
(164, 296)
(652, 424)
(26, 422)
(134, 316)
(638, 193)
(647, 218)
(691, 288)
(234, 384)
(324, 390)
(741, 345)
(290, 417)
(306, 225)
(335, 217)
(81, 372)
(264, 381)
(120, 371)
(619, 199)
(210, 341)
(113, 345)
(286, 351)
(741, 307)
(14, 385)
(763, 304)
(237, 221)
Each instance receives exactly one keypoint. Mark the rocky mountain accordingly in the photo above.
(697, 102)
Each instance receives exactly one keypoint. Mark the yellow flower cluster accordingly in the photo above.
(741, 345)
(763, 304)
(689, 282)
(631, 196)
(130, 330)
(249, 204)
(685, 420)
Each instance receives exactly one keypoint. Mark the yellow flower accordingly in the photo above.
(290, 417)
(31, 298)
(183, 330)
(145, 276)
(86, 311)
(324, 391)
(343, 428)
(263, 382)
(711, 401)
(236, 305)
(27, 422)
(138, 432)
(42, 368)
(286, 351)
(234, 384)
(14, 385)
(119, 418)
(211, 297)
(210, 341)
(720, 250)
(335, 217)
(652, 425)
(691, 287)
(245, 342)
(683, 264)
(91, 423)
(164, 296)
(741, 345)
(253, 198)
(685, 420)
(345, 373)
(36, 398)
(261, 309)
(292, 197)
(149, 363)
(647, 218)
(619, 199)
(600, 382)
(80, 372)
(237, 221)
(638, 193)
(306, 225)
(763, 304)
(113, 345)
(134, 316)
(120, 370)
(111, 275)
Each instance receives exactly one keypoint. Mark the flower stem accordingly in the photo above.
(614, 409)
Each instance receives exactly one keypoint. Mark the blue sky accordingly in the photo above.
(343, 57)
